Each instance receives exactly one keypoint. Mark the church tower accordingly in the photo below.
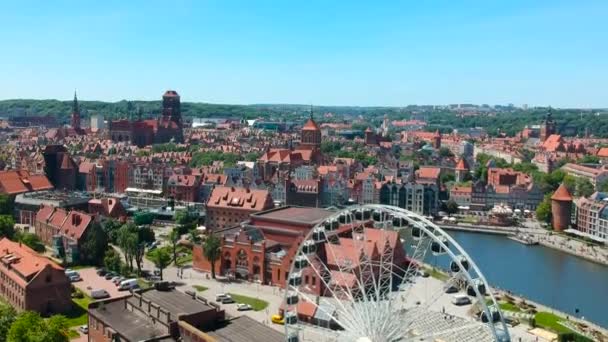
(548, 127)
(311, 134)
(172, 108)
(75, 114)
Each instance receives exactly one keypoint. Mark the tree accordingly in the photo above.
(445, 152)
(31, 240)
(30, 327)
(447, 177)
(126, 241)
(7, 317)
(7, 226)
(95, 244)
(212, 251)
(571, 183)
(132, 240)
(584, 187)
(111, 228)
(589, 159)
(111, 260)
(6, 204)
(543, 211)
(452, 207)
(174, 238)
(161, 259)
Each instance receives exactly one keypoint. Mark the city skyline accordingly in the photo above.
(326, 54)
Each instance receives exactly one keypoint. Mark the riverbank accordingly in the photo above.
(576, 324)
(549, 239)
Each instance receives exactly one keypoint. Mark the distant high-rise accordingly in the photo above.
(97, 122)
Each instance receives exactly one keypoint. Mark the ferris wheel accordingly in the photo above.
(363, 275)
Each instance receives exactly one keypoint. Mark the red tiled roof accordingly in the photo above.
(72, 224)
(603, 152)
(562, 194)
(17, 182)
(553, 142)
(24, 261)
(462, 164)
(428, 172)
(311, 125)
(242, 198)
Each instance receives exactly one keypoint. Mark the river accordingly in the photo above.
(544, 275)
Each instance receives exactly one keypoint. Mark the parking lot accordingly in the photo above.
(91, 281)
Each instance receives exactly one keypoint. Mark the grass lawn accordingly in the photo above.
(78, 315)
(72, 334)
(200, 288)
(437, 274)
(549, 321)
(256, 304)
(80, 267)
(143, 284)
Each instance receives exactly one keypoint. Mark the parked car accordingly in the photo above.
(127, 284)
(74, 277)
(99, 294)
(227, 300)
(451, 289)
(84, 329)
(110, 275)
(220, 296)
(461, 299)
(277, 319)
(101, 272)
(243, 307)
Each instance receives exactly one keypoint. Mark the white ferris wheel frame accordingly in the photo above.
(498, 329)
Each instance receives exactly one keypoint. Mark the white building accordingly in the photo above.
(97, 122)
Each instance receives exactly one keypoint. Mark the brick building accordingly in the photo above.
(107, 207)
(168, 127)
(229, 206)
(32, 282)
(260, 247)
(64, 230)
(108, 175)
(59, 167)
(183, 187)
(561, 208)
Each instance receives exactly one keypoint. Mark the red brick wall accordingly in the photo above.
(200, 263)
(96, 331)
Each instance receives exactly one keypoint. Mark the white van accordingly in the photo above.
(461, 299)
(128, 284)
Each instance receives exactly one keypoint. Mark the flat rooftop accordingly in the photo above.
(245, 329)
(175, 302)
(133, 325)
(301, 215)
(55, 198)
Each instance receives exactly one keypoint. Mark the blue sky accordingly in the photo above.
(321, 52)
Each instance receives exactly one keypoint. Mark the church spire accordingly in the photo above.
(75, 113)
(75, 108)
(311, 112)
